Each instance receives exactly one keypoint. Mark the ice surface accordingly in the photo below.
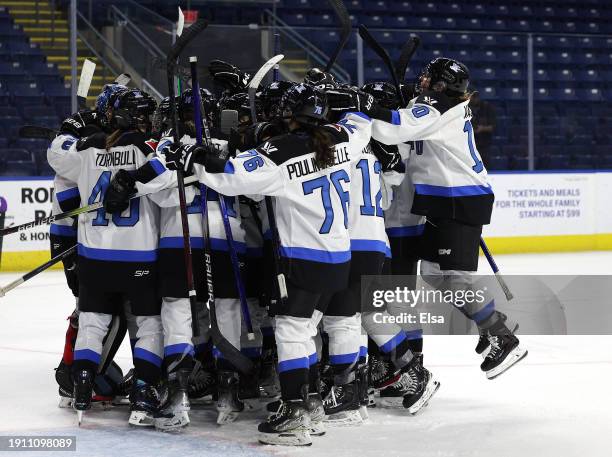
(555, 403)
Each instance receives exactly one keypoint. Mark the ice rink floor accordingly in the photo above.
(557, 402)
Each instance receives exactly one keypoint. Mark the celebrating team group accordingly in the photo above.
(288, 202)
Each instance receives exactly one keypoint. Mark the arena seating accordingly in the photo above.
(31, 92)
(572, 64)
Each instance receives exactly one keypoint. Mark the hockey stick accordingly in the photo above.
(253, 85)
(498, 275)
(75, 212)
(87, 73)
(36, 131)
(345, 31)
(199, 116)
(406, 55)
(173, 55)
(384, 55)
(37, 270)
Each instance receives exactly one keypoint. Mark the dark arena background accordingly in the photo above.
(540, 74)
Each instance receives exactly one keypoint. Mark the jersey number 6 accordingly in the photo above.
(323, 183)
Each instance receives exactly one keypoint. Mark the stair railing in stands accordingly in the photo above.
(316, 56)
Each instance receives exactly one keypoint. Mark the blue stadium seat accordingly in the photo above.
(510, 41)
(484, 74)
(513, 74)
(543, 26)
(478, 9)
(42, 68)
(295, 19)
(565, 94)
(15, 154)
(19, 168)
(376, 5)
(513, 93)
(31, 112)
(591, 95)
(51, 121)
(425, 7)
(354, 5)
(488, 93)
(499, 10)
(498, 162)
(396, 22)
(565, 75)
(374, 21)
(542, 93)
(297, 4)
(494, 24)
(28, 93)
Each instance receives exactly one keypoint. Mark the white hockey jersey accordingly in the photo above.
(311, 204)
(171, 231)
(128, 237)
(399, 220)
(449, 178)
(65, 192)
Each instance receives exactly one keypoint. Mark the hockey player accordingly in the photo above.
(451, 190)
(117, 247)
(308, 173)
(172, 265)
(403, 229)
(63, 236)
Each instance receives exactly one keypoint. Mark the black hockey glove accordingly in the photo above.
(81, 124)
(340, 100)
(388, 156)
(117, 196)
(229, 76)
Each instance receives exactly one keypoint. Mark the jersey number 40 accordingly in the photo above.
(101, 216)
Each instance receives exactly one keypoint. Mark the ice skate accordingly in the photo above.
(505, 351)
(229, 405)
(363, 379)
(83, 389)
(342, 405)
(248, 390)
(483, 346)
(422, 386)
(269, 385)
(144, 404)
(315, 408)
(174, 413)
(289, 426)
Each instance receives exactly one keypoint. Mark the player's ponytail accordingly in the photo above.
(323, 146)
(112, 139)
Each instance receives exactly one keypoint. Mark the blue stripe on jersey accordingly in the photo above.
(357, 113)
(143, 354)
(197, 242)
(229, 168)
(339, 359)
(293, 364)
(157, 166)
(370, 246)
(68, 193)
(316, 255)
(117, 255)
(412, 230)
(87, 354)
(179, 348)
(458, 191)
(395, 118)
(363, 351)
(63, 230)
(313, 358)
(393, 342)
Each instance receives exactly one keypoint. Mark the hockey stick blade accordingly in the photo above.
(256, 81)
(123, 79)
(365, 35)
(345, 30)
(87, 72)
(406, 55)
(71, 213)
(183, 40)
(36, 131)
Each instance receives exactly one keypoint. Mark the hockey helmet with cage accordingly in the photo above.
(445, 75)
(270, 97)
(131, 109)
(103, 102)
(237, 102)
(305, 104)
(384, 93)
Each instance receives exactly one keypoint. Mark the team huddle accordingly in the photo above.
(285, 203)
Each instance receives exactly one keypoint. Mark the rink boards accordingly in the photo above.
(533, 212)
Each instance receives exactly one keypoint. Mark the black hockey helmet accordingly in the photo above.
(160, 120)
(321, 79)
(305, 103)
(103, 103)
(209, 101)
(237, 102)
(131, 109)
(384, 93)
(445, 75)
(270, 97)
